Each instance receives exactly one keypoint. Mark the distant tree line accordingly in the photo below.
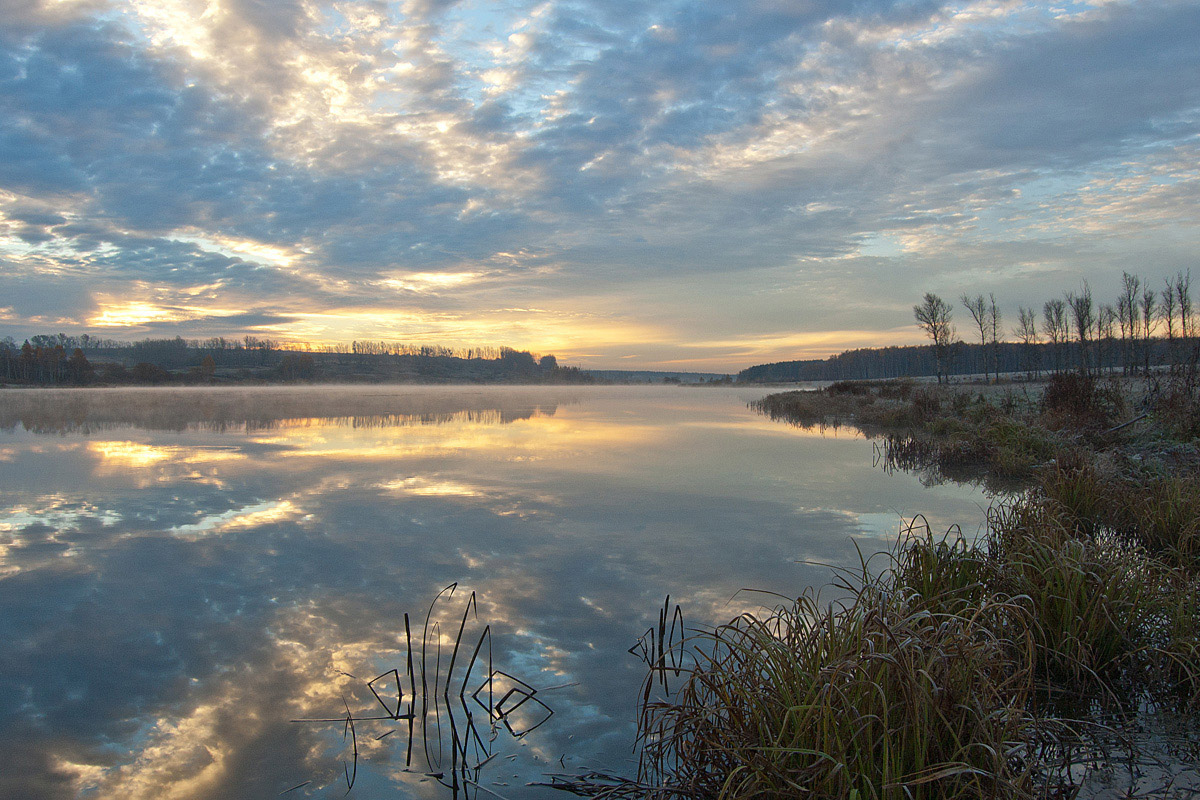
(1143, 329)
(60, 359)
(44, 364)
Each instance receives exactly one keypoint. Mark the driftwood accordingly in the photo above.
(1138, 418)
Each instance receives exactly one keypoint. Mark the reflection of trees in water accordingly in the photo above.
(216, 412)
(934, 464)
(490, 416)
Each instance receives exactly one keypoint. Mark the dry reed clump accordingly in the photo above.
(916, 687)
(1165, 515)
(1093, 601)
(1159, 510)
(1075, 489)
(1174, 400)
(1179, 666)
(937, 677)
(877, 699)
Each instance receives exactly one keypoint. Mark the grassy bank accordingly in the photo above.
(1008, 433)
(997, 668)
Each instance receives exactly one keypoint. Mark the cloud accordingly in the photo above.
(46, 298)
(287, 154)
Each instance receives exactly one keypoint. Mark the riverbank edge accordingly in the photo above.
(1081, 595)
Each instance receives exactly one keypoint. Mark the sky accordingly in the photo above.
(625, 184)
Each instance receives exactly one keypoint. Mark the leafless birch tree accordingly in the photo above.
(979, 312)
(934, 316)
(1054, 325)
(1027, 332)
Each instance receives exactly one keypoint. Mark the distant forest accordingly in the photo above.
(963, 359)
(58, 360)
(1073, 332)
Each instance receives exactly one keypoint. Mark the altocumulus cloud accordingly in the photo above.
(709, 184)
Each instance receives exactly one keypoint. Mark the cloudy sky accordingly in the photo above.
(684, 184)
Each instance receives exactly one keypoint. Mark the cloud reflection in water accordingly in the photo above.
(182, 572)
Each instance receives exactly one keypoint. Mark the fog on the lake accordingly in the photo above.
(184, 572)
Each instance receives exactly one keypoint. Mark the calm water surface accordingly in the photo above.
(183, 573)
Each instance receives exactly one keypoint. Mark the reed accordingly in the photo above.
(1092, 601)
(917, 685)
(966, 669)
(945, 674)
(879, 698)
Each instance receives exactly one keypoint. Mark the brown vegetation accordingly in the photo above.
(975, 669)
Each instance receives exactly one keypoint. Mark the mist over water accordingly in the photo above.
(185, 572)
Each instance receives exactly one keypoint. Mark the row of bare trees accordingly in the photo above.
(1075, 331)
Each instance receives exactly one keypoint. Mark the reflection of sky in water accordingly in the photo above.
(174, 591)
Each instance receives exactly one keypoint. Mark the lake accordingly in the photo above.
(184, 573)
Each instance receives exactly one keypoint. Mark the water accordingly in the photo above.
(185, 572)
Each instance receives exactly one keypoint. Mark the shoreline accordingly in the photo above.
(1075, 611)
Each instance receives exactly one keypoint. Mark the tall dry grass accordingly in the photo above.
(945, 674)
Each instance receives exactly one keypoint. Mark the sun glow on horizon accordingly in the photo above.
(806, 344)
(592, 340)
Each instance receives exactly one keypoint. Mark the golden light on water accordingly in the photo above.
(430, 487)
(537, 437)
(131, 454)
(136, 455)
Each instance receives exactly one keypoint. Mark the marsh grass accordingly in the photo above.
(1093, 602)
(927, 428)
(959, 669)
(876, 698)
(1174, 398)
(1010, 666)
(1166, 516)
(1157, 508)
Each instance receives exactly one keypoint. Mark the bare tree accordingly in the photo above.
(994, 326)
(978, 308)
(1149, 299)
(1105, 325)
(1123, 324)
(1027, 332)
(1083, 316)
(1054, 325)
(1127, 307)
(934, 316)
(1183, 300)
(1167, 313)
